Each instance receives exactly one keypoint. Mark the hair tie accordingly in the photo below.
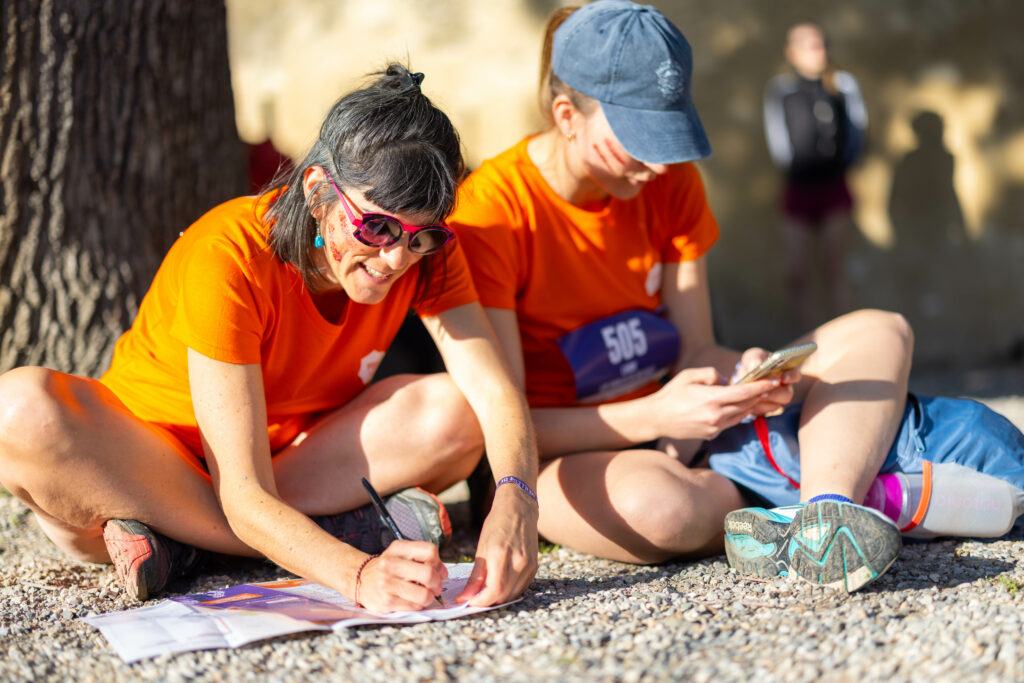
(417, 78)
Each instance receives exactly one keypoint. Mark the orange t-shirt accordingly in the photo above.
(221, 291)
(561, 267)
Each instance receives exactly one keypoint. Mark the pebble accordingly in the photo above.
(941, 613)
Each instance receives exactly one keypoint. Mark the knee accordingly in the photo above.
(34, 421)
(666, 516)
(886, 329)
(448, 427)
(894, 327)
(902, 330)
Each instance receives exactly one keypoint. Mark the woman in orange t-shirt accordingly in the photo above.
(587, 247)
(238, 414)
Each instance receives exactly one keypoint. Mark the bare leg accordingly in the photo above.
(73, 453)
(637, 506)
(406, 430)
(799, 241)
(854, 392)
(113, 465)
(834, 234)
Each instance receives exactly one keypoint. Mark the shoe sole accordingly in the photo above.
(126, 538)
(828, 543)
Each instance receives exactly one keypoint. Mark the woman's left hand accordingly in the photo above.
(479, 364)
(506, 554)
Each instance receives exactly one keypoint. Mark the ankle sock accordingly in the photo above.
(830, 496)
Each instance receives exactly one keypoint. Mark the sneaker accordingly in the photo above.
(146, 561)
(835, 544)
(419, 515)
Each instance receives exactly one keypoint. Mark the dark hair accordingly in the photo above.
(388, 141)
(551, 86)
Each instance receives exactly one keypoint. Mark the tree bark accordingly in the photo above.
(117, 130)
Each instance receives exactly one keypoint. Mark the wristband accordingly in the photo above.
(521, 484)
(359, 577)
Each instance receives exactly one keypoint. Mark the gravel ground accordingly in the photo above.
(946, 610)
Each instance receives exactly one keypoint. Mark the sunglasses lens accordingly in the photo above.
(428, 240)
(380, 231)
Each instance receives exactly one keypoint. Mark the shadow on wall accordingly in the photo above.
(923, 206)
(944, 281)
(930, 239)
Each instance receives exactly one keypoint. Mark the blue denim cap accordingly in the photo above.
(638, 65)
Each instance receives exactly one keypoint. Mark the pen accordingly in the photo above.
(386, 517)
(382, 511)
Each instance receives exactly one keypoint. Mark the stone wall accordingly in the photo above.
(940, 191)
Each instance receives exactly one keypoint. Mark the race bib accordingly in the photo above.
(615, 355)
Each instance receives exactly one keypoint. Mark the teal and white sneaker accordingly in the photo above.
(830, 543)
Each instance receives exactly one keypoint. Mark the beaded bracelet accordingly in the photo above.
(521, 484)
(359, 576)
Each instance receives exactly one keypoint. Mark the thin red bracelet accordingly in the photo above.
(359, 576)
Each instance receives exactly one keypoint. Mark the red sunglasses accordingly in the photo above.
(382, 230)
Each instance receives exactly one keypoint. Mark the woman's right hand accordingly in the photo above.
(696, 405)
(407, 576)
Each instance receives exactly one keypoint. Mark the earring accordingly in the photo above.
(570, 136)
(318, 242)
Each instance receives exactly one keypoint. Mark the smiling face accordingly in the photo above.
(366, 274)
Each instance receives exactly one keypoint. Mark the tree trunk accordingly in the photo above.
(117, 131)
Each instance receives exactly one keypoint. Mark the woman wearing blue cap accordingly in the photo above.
(587, 245)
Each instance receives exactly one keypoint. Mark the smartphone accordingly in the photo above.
(780, 361)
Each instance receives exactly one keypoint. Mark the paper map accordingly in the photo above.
(236, 616)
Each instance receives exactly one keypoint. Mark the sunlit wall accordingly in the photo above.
(938, 234)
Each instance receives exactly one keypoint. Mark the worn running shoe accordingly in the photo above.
(831, 543)
(419, 515)
(146, 561)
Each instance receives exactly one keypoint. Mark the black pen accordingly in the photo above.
(385, 516)
(382, 511)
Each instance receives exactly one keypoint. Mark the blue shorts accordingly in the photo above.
(933, 428)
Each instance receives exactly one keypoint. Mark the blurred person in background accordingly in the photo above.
(815, 122)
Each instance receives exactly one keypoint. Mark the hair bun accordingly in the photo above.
(398, 77)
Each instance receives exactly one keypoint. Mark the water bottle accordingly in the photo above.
(958, 501)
